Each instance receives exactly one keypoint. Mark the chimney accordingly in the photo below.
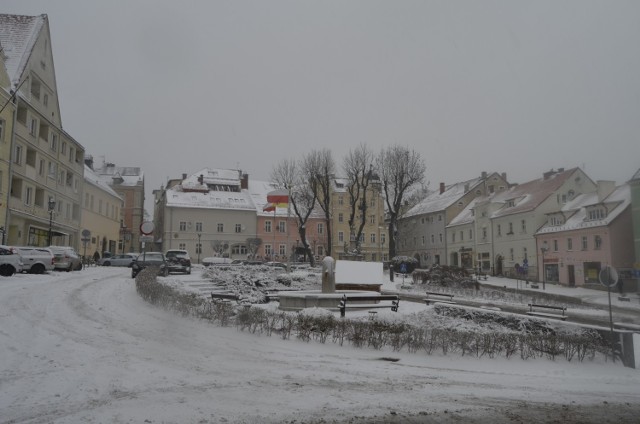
(604, 189)
(466, 188)
(441, 188)
(184, 176)
(88, 160)
(504, 176)
(244, 182)
(200, 179)
(484, 175)
(547, 174)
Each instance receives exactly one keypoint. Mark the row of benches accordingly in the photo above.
(432, 297)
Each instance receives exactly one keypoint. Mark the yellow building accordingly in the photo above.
(7, 110)
(46, 163)
(373, 241)
(101, 208)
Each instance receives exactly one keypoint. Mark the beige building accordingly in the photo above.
(101, 209)
(6, 130)
(46, 167)
(374, 237)
(128, 183)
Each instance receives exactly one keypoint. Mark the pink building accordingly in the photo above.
(589, 232)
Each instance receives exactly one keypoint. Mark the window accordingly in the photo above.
(238, 228)
(423, 240)
(511, 254)
(53, 169)
(41, 168)
(267, 249)
(340, 200)
(372, 203)
(340, 217)
(63, 148)
(596, 214)
(2, 127)
(28, 198)
(321, 228)
(54, 142)
(198, 248)
(267, 226)
(372, 219)
(510, 228)
(470, 234)
(484, 233)
(584, 243)
(33, 126)
(453, 237)
(440, 237)
(17, 155)
(282, 250)
(569, 244)
(199, 227)
(524, 253)
(597, 242)
(45, 100)
(433, 239)
(373, 238)
(183, 226)
(499, 230)
(524, 226)
(340, 236)
(383, 238)
(282, 227)
(182, 246)
(439, 217)
(239, 249)
(555, 245)
(221, 228)
(461, 235)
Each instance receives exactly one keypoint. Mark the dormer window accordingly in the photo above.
(511, 203)
(596, 214)
(556, 220)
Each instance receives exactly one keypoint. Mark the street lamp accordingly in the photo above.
(52, 206)
(543, 250)
(199, 247)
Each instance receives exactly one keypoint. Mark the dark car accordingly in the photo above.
(178, 261)
(150, 259)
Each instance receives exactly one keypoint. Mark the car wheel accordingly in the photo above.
(107, 263)
(70, 268)
(133, 274)
(7, 270)
(37, 269)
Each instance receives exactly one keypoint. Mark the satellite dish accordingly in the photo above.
(608, 276)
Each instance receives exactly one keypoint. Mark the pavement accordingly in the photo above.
(594, 303)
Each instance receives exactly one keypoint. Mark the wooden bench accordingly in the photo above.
(546, 314)
(224, 296)
(433, 297)
(394, 298)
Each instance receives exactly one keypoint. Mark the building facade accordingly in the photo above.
(46, 169)
(101, 211)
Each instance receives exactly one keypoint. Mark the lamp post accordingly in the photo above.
(52, 206)
(543, 250)
(199, 247)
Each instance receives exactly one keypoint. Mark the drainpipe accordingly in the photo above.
(7, 218)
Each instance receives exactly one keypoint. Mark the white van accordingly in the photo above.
(35, 260)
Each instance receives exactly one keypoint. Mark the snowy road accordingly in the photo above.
(83, 347)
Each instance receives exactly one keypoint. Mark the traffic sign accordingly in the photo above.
(145, 239)
(146, 228)
(608, 276)
(86, 233)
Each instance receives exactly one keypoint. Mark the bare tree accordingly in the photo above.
(253, 244)
(295, 178)
(320, 164)
(400, 170)
(219, 247)
(358, 168)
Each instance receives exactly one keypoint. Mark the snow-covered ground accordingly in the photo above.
(83, 347)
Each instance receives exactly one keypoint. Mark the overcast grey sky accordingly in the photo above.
(507, 86)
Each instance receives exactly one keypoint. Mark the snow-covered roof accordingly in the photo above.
(636, 176)
(18, 35)
(92, 178)
(528, 196)
(437, 201)
(122, 175)
(258, 191)
(576, 210)
(466, 216)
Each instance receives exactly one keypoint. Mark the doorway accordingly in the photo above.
(572, 275)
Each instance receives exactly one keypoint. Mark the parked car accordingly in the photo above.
(65, 258)
(214, 260)
(178, 261)
(35, 260)
(10, 262)
(276, 264)
(126, 259)
(150, 259)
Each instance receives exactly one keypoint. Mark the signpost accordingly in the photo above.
(86, 238)
(609, 278)
(146, 228)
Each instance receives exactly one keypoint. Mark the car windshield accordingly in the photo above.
(150, 257)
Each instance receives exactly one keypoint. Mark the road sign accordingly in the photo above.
(146, 228)
(403, 268)
(86, 233)
(608, 276)
(525, 262)
(146, 239)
